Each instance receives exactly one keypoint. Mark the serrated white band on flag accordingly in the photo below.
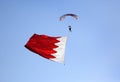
(59, 55)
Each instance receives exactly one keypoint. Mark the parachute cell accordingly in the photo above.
(72, 15)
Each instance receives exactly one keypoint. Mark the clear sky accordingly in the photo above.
(93, 47)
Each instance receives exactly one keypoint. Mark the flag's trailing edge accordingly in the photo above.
(52, 48)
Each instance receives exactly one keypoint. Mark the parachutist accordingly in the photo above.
(70, 28)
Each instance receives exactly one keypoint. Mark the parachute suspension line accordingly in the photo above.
(65, 54)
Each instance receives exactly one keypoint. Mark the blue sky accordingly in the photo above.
(92, 50)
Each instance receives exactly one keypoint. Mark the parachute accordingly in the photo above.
(73, 15)
(49, 47)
